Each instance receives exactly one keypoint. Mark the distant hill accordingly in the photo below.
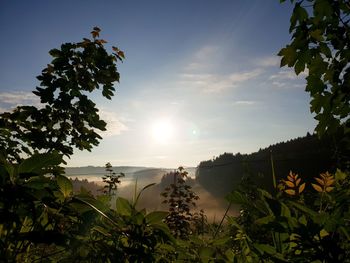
(307, 156)
(95, 173)
(101, 170)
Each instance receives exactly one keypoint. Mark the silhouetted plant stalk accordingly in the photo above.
(112, 180)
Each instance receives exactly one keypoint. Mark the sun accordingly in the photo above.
(162, 131)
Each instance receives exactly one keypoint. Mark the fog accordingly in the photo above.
(214, 207)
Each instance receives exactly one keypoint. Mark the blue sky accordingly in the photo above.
(200, 77)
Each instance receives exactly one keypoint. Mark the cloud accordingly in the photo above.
(284, 75)
(287, 79)
(216, 83)
(199, 61)
(244, 76)
(244, 102)
(13, 99)
(114, 125)
(206, 52)
(279, 84)
(270, 61)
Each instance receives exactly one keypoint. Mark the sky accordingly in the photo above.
(200, 77)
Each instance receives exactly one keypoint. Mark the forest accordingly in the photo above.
(291, 215)
(309, 156)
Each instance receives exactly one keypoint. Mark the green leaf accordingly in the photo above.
(264, 248)
(317, 35)
(299, 67)
(206, 253)
(102, 231)
(95, 205)
(323, 233)
(305, 209)
(221, 241)
(340, 176)
(65, 185)
(55, 52)
(236, 198)
(288, 55)
(301, 13)
(285, 211)
(314, 84)
(10, 169)
(325, 50)
(37, 162)
(345, 232)
(156, 217)
(139, 194)
(38, 182)
(123, 206)
(265, 193)
(323, 8)
(265, 220)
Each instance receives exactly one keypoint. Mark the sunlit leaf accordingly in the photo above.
(317, 188)
(323, 233)
(121, 54)
(65, 185)
(329, 182)
(290, 184)
(320, 181)
(329, 189)
(290, 191)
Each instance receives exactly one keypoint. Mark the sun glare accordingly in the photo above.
(162, 131)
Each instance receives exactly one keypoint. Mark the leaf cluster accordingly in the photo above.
(288, 227)
(320, 47)
(67, 118)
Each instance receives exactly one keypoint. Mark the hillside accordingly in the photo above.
(307, 156)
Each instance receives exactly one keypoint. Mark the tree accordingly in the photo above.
(67, 118)
(320, 46)
(181, 199)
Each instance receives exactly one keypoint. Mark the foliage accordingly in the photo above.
(181, 201)
(111, 179)
(43, 220)
(33, 207)
(295, 226)
(67, 117)
(320, 46)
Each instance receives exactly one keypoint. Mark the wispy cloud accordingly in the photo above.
(284, 75)
(199, 61)
(10, 100)
(114, 125)
(287, 79)
(244, 76)
(216, 83)
(206, 52)
(269, 61)
(245, 102)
